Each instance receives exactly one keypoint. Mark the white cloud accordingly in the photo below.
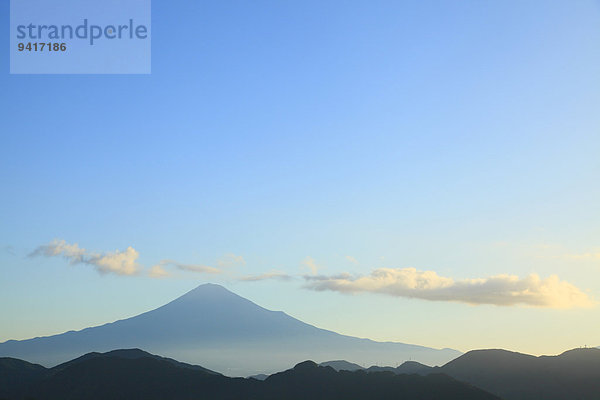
(501, 290)
(125, 262)
(118, 262)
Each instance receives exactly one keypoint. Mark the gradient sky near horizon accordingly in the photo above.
(282, 147)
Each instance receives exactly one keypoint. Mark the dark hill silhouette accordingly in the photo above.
(16, 375)
(110, 377)
(222, 331)
(572, 375)
(307, 380)
(131, 354)
(145, 376)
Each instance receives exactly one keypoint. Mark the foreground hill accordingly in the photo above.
(130, 354)
(572, 375)
(224, 332)
(16, 376)
(307, 380)
(133, 374)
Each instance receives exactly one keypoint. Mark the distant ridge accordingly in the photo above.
(341, 365)
(408, 367)
(260, 377)
(134, 374)
(224, 332)
(574, 374)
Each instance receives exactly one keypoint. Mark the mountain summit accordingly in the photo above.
(216, 328)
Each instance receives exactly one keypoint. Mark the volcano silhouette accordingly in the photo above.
(216, 328)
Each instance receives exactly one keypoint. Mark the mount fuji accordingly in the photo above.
(216, 328)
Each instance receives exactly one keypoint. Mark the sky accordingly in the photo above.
(418, 171)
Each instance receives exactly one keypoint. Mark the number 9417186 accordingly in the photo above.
(42, 46)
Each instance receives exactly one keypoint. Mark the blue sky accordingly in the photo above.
(455, 137)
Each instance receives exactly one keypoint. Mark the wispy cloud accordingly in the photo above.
(157, 271)
(199, 268)
(591, 256)
(351, 259)
(501, 290)
(125, 262)
(117, 262)
(554, 251)
(224, 264)
(230, 260)
(267, 276)
(310, 264)
(10, 250)
(160, 270)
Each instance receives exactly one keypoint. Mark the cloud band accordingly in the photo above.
(500, 290)
(117, 262)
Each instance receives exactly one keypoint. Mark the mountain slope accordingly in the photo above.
(574, 374)
(341, 365)
(223, 331)
(118, 376)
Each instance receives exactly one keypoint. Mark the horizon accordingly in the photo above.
(416, 172)
(210, 284)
